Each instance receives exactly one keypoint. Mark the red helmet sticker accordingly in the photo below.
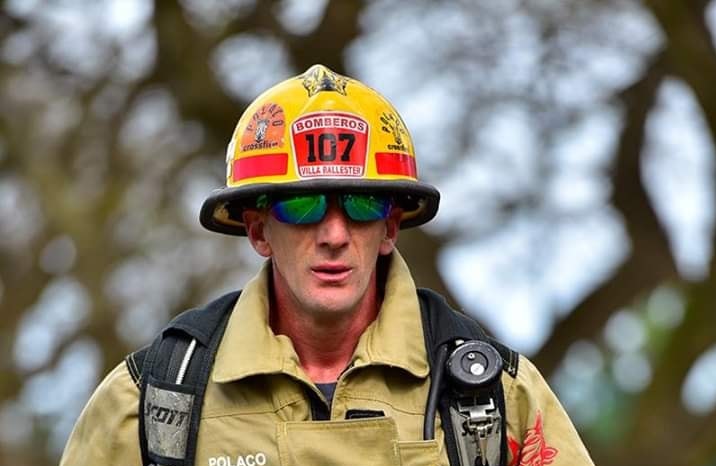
(330, 144)
(265, 129)
(395, 163)
(396, 160)
(259, 165)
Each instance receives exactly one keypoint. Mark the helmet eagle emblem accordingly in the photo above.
(318, 78)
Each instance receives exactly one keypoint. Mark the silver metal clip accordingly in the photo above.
(477, 428)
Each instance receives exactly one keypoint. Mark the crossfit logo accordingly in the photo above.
(394, 126)
(265, 129)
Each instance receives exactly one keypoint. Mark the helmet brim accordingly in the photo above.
(222, 211)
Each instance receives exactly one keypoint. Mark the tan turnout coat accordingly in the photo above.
(257, 413)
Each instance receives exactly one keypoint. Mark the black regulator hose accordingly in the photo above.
(433, 394)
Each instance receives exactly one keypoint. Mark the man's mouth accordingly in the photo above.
(331, 273)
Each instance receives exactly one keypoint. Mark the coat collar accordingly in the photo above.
(249, 346)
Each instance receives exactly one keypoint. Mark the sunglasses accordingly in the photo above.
(305, 209)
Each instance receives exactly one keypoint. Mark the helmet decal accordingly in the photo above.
(330, 144)
(259, 165)
(394, 126)
(230, 158)
(265, 129)
(395, 163)
(318, 78)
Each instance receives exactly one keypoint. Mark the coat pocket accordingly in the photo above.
(419, 453)
(359, 442)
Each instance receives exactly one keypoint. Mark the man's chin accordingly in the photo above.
(335, 303)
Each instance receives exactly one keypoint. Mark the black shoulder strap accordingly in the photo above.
(172, 374)
(442, 324)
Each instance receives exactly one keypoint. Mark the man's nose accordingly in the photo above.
(334, 229)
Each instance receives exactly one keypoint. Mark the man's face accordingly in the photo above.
(325, 268)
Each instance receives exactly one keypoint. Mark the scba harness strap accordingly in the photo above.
(444, 328)
(172, 374)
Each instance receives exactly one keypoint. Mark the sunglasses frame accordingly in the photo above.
(268, 202)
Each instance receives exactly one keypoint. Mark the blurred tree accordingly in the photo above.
(114, 117)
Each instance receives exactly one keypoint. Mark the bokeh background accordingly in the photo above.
(573, 142)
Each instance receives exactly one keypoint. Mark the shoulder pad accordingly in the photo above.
(442, 324)
(199, 323)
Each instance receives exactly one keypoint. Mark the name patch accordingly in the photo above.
(255, 459)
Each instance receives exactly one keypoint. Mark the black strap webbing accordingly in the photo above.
(443, 325)
(166, 405)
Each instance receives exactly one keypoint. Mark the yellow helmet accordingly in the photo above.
(319, 131)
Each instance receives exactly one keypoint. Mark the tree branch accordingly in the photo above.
(690, 49)
(650, 262)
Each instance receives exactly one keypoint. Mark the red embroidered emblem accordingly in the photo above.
(514, 447)
(535, 451)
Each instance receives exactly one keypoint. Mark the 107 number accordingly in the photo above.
(326, 148)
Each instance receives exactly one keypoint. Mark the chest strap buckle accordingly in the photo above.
(477, 425)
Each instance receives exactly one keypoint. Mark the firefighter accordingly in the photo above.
(322, 359)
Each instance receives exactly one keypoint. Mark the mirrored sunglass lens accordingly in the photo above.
(366, 208)
(300, 210)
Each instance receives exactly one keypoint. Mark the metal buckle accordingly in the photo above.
(477, 430)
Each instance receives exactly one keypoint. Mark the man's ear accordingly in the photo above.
(392, 226)
(255, 222)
